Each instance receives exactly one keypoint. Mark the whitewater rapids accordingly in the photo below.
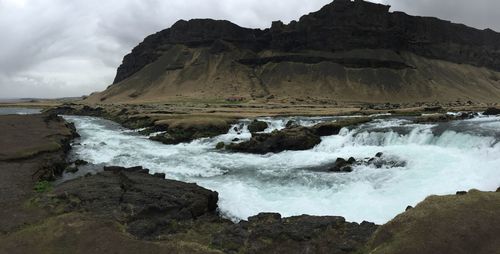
(439, 159)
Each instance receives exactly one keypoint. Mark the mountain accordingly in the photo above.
(349, 51)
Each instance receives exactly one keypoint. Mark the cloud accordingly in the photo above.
(54, 48)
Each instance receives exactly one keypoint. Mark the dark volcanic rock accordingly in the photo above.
(187, 133)
(269, 233)
(439, 118)
(333, 128)
(147, 204)
(116, 169)
(492, 112)
(342, 165)
(177, 136)
(339, 26)
(298, 138)
(257, 126)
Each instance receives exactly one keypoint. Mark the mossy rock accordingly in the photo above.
(257, 126)
(220, 146)
(42, 186)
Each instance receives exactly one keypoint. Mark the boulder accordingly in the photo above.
(257, 126)
(81, 162)
(291, 124)
(220, 146)
(342, 165)
(187, 130)
(294, 139)
(333, 128)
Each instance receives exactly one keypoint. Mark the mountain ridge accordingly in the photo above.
(356, 36)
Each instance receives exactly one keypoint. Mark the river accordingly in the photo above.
(436, 159)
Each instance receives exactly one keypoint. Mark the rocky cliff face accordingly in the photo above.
(343, 35)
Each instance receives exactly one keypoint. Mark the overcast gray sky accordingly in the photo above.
(56, 48)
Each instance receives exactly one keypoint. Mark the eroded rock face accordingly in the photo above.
(147, 204)
(339, 26)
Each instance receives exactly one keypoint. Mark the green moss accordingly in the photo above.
(443, 224)
(42, 186)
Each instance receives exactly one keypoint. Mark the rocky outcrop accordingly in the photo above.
(186, 130)
(441, 118)
(342, 165)
(148, 205)
(152, 208)
(292, 139)
(492, 112)
(269, 233)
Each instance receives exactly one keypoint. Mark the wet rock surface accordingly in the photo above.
(257, 126)
(342, 165)
(177, 135)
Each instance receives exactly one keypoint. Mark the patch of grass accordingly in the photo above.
(42, 186)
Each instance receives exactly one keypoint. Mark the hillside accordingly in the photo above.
(346, 52)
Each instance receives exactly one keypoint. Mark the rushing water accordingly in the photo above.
(439, 159)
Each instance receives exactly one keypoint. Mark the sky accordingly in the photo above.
(61, 48)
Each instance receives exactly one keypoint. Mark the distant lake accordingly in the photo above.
(19, 111)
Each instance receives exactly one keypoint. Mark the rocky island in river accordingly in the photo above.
(351, 130)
